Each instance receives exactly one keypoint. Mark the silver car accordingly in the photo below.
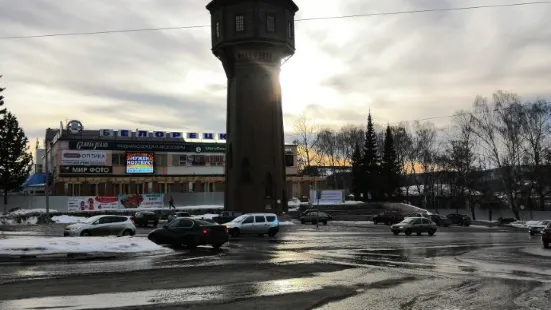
(416, 225)
(102, 225)
(254, 223)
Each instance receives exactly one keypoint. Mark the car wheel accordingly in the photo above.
(418, 234)
(314, 222)
(272, 233)
(324, 222)
(127, 232)
(408, 232)
(546, 245)
(532, 233)
(190, 242)
(388, 223)
(235, 232)
(375, 222)
(155, 224)
(431, 232)
(302, 221)
(466, 225)
(217, 246)
(261, 235)
(85, 233)
(395, 232)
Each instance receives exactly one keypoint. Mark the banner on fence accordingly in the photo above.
(141, 201)
(93, 203)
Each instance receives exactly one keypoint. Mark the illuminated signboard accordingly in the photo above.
(140, 163)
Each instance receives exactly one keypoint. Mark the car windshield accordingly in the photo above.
(204, 223)
(408, 220)
(92, 219)
(545, 223)
(239, 219)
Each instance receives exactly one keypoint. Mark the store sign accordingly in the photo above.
(140, 163)
(83, 158)
(85, 170)
(148, 147)
(127, 133)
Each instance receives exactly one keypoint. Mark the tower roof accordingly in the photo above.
(290, 4)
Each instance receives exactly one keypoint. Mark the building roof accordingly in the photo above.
(214, 4)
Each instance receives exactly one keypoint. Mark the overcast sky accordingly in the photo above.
(403, 67)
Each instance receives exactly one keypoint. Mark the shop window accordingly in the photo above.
(239, 23)
(290, 30)
(74, 189)
(117, 159)
(139, 188)
(217, 29)
(289, 160)
(94, 189)
(270, 23)
(161, 160)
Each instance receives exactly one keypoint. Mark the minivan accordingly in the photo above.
(254, 223)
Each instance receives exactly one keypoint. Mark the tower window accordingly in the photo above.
(217, 30)
(239, 23)
(290, 26)
(270, 23)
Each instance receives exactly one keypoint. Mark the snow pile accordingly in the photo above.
(294, 209)
(352, 223)
(80, 245)
(200, 207)
(67, 219)
(31, 211)
(208, 216)
(523, 224)
(404, 208)
(286, 223)
(21, 221)
(295, 202)
(352, 202)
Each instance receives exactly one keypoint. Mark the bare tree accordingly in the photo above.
(403, 145)
(347, 138)
(426, 148)
(499, 130)
(305, 133)
(535, 131)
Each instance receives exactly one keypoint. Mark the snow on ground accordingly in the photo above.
(539, 251)
(31, 211)
(286, 223)
(208, 216)
(81, 245)
(67, 219)
(523, 224)
(200, 207)
(12, 221)
(352, 223)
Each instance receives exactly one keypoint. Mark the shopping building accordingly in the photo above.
(107, 162)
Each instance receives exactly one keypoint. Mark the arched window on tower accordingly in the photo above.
(246, 170)
(269, 183)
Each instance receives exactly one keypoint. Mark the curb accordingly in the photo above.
(67, 257)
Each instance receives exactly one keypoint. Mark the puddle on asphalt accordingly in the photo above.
(350, 277)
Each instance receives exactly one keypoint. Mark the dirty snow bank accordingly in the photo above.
(67, 219)
(81, 245)
(31, 211)
(286, 223)
(523, 224)
(539, 251)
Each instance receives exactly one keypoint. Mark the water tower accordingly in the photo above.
(251, 38)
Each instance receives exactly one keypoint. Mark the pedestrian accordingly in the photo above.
(171, 203)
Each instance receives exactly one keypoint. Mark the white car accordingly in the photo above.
(254, 223)
(102, 225)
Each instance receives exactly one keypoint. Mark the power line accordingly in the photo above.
(297, 20)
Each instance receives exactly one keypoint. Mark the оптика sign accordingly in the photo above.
(150, 147)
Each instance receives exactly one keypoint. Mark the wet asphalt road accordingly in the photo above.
(333, 267)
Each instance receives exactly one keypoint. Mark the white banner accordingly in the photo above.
(93, 203)
(83, 158)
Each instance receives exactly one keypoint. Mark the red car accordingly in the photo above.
(546, 236)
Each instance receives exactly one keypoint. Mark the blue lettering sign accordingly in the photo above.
(159, 134)
(222, 136)
(125, 133)
(142, 133)
(192, 135)
(208, 136)
(176, 135)
(105, 132)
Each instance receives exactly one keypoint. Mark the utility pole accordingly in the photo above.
(47, 169)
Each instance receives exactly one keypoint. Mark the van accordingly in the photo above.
(254, 223)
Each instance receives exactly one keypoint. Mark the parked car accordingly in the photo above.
(537, 229)
(440, 220)
(315, 217)
(144, 218)
(254, 223)
(505, 221)
(388, 218)
(190, 233)
(316, 210)
(226, 217)
(416, 215)
(416, 225)
(177, 215)
(102, 225)
(459, 219)
(546, 236)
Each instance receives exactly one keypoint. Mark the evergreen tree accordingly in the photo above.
(15, 159)
(357, 172)
(390, 169)
(2, 110)
(370, 162)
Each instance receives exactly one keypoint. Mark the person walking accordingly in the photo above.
(171, 203)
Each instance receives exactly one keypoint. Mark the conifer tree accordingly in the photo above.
(370, 162)
(390, 169)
